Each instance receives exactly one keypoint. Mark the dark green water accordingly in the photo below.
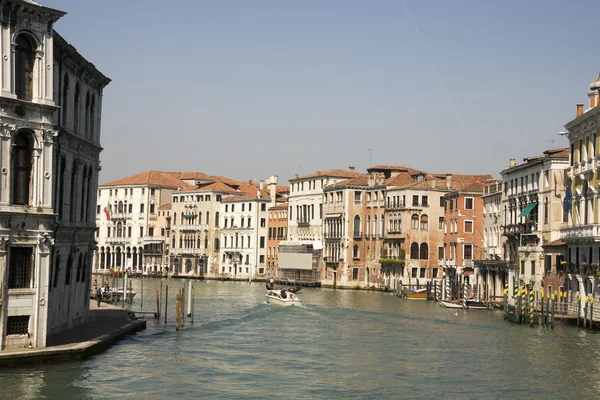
(341, 344)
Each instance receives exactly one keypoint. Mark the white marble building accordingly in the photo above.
(129, 234)
(244, 234)
(50, 107)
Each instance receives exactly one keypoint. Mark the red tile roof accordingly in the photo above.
(165, 206)
(195, 175)
(154, 178)
(248, 195)
(410, 171)
(362, 180)
(555, 243)
(334, 173)
(282, 206)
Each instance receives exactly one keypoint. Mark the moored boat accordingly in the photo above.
(451, 304)
(475, 305)
(419, 294)
(282, 297)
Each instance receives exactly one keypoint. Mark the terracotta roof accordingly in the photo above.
(217, 186)
(248, 195)
(165, 206)
(335, 173)
(401, 180)
(555, 243)
(362, 180)
(282, 206)
(195, 175)
(561, 152)
(282, 189)
(410, 171)
(154, 178)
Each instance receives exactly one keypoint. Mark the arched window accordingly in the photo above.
(217, 219)
(424, 253)
(92, 116)
(181, 242)
(414, 221)
(369, 225)
(78, 274)
(73, 213)
(546, 210)
(207, 218)
(355, 253)
(382, 225)
(68, 271)
(54, 278)
(414, 251)
(119, 229)
(61, 190)
(206, 242)
(375, 226)
(76, 109)
(87, 114)
(200, 218)
(24, 59)
(356, 226)
(65, 99)
(424, 222)
(216, 247)
(119, 205)
(22, 152)
(225, 237)
(236, 240)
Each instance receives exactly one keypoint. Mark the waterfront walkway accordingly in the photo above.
(107, 324)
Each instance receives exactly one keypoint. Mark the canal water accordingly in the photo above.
(340, 344)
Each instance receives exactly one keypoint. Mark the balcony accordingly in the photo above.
(179, 252)
(303, 222)
(152, 216)
(329, 235)
(153, 239)
(580, 232)
(190, 227)
(117, 240)
(357, 235)
(120, 215)
(448, 262)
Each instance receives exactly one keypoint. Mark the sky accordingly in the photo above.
(246, 89)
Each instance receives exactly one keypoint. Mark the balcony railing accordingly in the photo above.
(580, 232)
(303, 222)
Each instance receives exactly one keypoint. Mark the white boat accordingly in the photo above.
(113, 294)
(282, 297)
(450, 304)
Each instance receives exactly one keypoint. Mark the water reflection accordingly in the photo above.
(340, 344)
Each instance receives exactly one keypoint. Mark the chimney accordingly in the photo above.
(273, 188)
(297, 176)
(250, 181)
(258, 194)
(512, 163)
(594, 94)
(448, 181)
(351, 168)
(580, 109)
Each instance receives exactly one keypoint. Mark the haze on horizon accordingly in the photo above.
(248, 89)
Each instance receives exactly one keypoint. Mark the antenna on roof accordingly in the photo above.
(370, 157)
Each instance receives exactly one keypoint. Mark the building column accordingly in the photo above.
(42, 266)
(3, 291)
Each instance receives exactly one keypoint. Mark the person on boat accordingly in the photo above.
(283, 294)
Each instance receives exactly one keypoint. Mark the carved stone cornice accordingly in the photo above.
(7, 130)
(4, 242)
(45, 243)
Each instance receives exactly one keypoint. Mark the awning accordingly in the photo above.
(528, 208)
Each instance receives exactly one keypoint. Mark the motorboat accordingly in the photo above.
(419, 294)
(114, 294)
(282, 297)
(451, 304)
(475, 304)
(294, 289)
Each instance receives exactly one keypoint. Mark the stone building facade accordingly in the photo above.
(129, 235)
(50, 107)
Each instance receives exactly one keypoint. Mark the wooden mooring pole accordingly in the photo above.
(189, 299)
(157, 305)
(142, 293)
(166, 301)
(193, 298)
(553, 305)
(578, 308)
(177, 312)
(160, 302)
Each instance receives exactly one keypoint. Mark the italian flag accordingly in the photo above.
(556, 193)
(107, 210)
